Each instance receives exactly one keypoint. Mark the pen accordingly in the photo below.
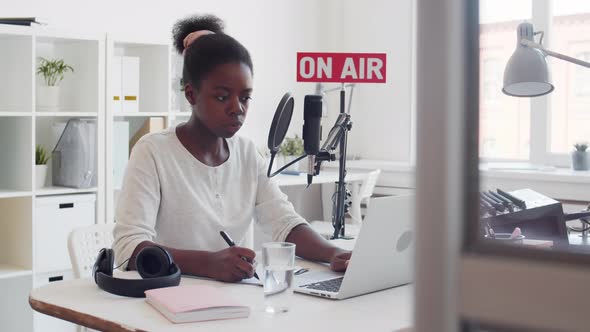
(231, 243)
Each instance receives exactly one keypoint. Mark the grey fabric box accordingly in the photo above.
(74, 157)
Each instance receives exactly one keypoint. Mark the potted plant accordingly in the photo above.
(53, 72)
(41, 159)
(291, 148)
(580, 157)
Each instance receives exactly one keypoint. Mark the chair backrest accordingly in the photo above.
(368, 186)
(84, 243)
(364, 193)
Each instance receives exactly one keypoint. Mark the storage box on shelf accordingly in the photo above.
(55, 218)
(48, 132)
(47, 323)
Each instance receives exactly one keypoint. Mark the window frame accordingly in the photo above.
(540, 108)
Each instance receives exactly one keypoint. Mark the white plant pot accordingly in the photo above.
(580, 160)
(40, 176)
(47, 98)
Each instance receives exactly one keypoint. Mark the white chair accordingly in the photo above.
(362, 196)
(84, 243)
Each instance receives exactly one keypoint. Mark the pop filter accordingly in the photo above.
(280, 123)
(278, 130)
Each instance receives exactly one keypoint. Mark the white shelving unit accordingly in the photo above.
(22, 126)
(48, 191)
(23, 229)
(157, 81)
(16, 197)
(14, 193)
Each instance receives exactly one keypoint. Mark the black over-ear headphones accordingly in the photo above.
(154, 264)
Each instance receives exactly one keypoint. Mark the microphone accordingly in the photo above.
(312, 131)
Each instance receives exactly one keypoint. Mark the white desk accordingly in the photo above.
(305, 200)
(82, 302)
(284, 180)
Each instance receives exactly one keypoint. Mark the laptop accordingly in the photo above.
(382, 257)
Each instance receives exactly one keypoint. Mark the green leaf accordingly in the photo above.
(291, 146)
(41, 155)
(53, 70)
(582, 146)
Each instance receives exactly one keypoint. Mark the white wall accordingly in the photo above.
(381, 113)
(274, 31)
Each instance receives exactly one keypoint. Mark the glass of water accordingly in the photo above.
(278, 261)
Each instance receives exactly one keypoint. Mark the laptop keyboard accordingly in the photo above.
(330, 285)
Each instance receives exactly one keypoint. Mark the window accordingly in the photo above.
(581, 78)
(569, 108)
(492, 82)
(555, 121)
(504, 121)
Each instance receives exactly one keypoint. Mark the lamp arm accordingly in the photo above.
(531, 44)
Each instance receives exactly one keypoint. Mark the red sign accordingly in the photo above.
(341, 67)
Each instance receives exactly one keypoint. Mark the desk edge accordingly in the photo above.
(78, 317)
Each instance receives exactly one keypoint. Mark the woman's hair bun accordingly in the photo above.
(185, 26)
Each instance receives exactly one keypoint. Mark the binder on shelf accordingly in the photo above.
(130, 84)
(150, 125)
(115, 98)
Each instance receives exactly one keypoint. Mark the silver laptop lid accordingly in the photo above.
(383, 255)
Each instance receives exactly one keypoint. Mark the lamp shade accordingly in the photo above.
(526, 74)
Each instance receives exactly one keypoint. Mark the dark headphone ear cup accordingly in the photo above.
(107, 263)
(153, 262)
(98, 263)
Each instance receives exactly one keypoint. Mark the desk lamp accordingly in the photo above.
(526, 73)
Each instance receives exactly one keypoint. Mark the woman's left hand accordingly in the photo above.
(339, 262)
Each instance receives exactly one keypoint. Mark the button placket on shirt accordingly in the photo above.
(216, 186)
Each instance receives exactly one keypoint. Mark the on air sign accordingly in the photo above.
(341, 67)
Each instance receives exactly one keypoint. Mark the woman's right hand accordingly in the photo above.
(231, 264)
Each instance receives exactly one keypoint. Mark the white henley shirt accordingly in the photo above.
(169, 197)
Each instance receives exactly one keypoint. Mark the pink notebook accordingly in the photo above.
(193, 303)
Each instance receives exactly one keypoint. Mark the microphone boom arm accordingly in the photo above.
(340, 126)
(338, 137)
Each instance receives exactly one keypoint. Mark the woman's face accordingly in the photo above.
(222, 100)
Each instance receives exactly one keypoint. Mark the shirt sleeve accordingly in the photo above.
(273, 210)
(138, 203)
